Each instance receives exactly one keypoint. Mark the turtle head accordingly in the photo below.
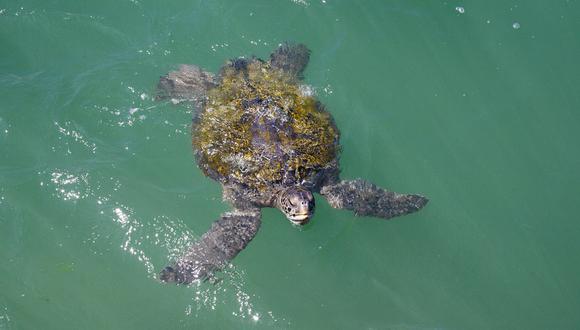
(297, 204)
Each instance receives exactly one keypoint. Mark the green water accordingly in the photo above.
(477, 110)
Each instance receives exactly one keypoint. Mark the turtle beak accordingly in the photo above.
(300, 218)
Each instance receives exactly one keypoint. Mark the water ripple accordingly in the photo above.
(139, 239)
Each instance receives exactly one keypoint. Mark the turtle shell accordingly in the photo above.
(260, 127)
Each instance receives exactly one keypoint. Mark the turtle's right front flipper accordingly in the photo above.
(189, 83)
(226, 238)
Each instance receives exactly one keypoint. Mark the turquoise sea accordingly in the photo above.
(475, 104)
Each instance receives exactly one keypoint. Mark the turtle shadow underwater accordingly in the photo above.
(262, 134)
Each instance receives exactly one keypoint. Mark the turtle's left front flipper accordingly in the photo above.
(225, 239)
(366, 199)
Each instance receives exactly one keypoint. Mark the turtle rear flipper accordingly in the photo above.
(220, 244)
(292, 58)
(189, 83)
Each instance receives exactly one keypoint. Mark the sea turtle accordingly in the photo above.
(264, 136)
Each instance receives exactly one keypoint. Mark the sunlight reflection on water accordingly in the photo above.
(4, 318)
(139, 237)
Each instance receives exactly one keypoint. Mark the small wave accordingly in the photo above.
(139, 239)
(69, 134)
(67, 185)
(5, 320)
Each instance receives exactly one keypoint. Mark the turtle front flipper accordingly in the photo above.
(189, 83)
(292, 58)
(225, 239)
(366, 199)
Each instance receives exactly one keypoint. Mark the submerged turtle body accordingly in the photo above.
(259, 127)
(270, 143)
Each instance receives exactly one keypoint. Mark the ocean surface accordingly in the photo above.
(475, 104)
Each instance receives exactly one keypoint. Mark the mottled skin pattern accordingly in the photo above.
(257, 134)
